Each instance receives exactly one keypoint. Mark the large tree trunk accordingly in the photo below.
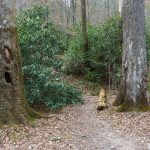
(133, 91)
(84, 25)
(13, 107)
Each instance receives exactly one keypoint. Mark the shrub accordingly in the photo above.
(105, 50)
(104, 55)
(74, 57)
(41, 45)
(42, 88)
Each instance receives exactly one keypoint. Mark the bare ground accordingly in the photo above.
(81, 128)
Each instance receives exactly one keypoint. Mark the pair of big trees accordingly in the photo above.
(133, 90)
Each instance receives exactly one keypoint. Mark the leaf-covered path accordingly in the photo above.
(92, 131)
(81, 128)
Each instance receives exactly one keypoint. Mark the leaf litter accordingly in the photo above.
(81, 127)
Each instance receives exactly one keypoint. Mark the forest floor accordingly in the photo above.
(81, 127)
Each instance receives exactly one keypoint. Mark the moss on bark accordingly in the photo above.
(127, 108)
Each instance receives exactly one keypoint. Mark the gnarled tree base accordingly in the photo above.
(9, 117)
(125, 105)
(128, 108)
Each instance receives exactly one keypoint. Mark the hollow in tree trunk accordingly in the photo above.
(13, 106)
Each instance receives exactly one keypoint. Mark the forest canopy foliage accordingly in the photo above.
(41, 45)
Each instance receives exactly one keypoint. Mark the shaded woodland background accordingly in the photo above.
(50, 33)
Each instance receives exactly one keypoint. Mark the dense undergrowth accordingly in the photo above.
(103, 56)
(48, 53)
(41, 46)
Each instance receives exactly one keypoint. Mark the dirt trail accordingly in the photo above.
(92, 133)
(74, 128)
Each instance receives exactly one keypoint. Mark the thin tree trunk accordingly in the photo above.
(73, 3)
(13, 107)
(133, 91)
(120, 6)
(84, 25)
(108, 9)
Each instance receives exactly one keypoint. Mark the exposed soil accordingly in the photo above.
(81, 128)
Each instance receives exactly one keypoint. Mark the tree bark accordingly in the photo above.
(133, 91)
(13, 106)
(120, 6)
(84, 25)
(73, 4)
